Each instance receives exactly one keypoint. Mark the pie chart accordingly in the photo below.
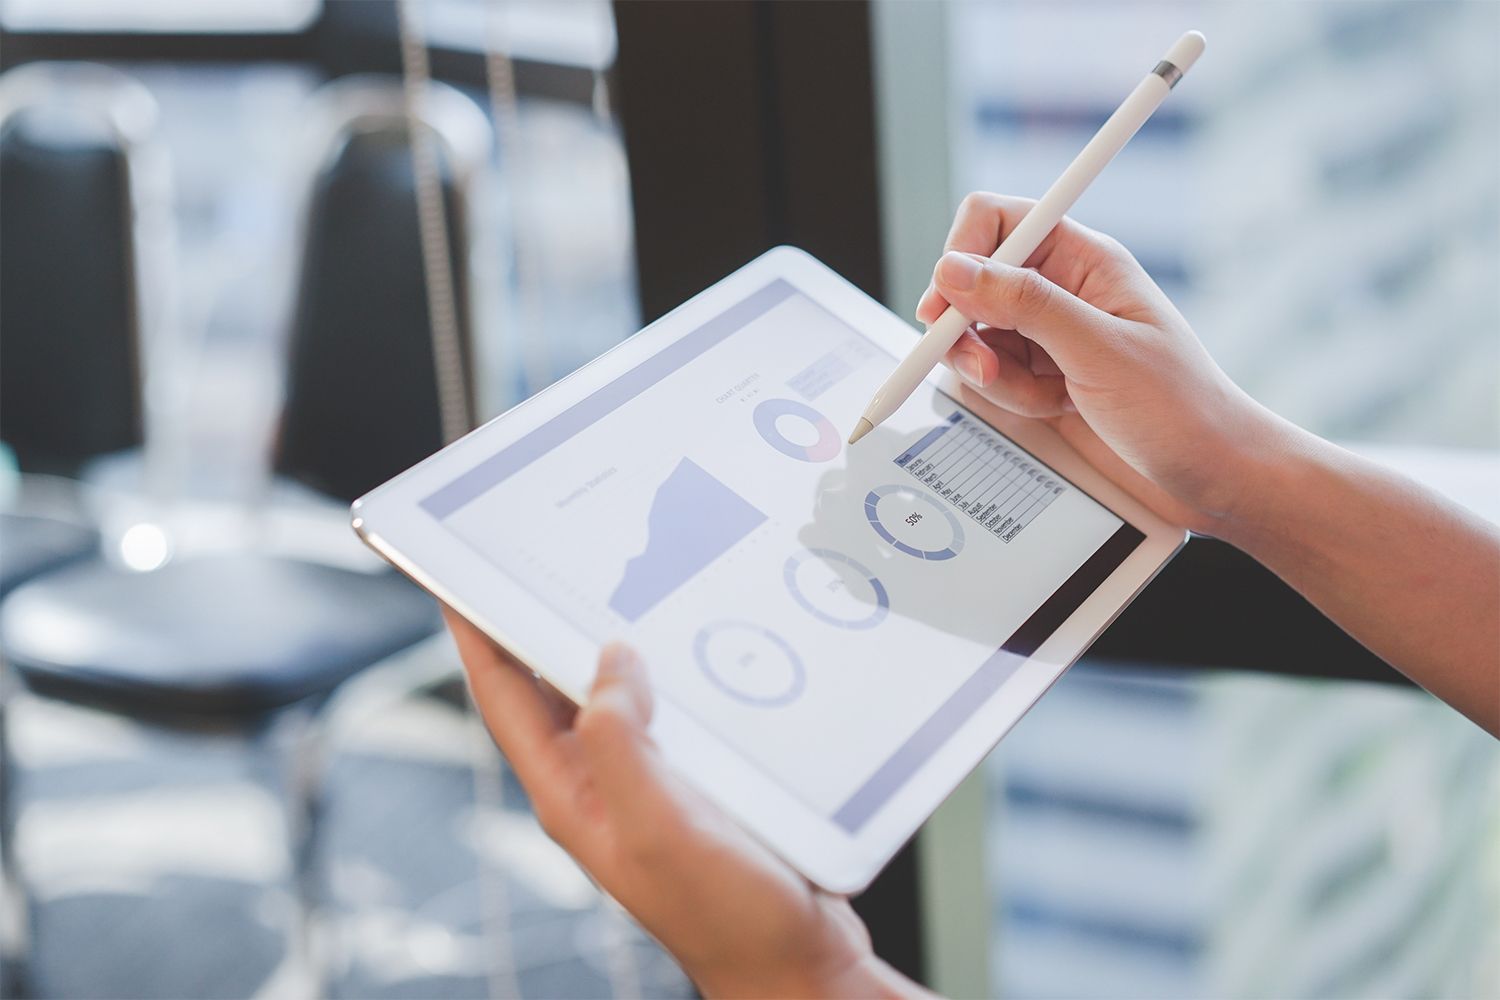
(914, 522)
(797, 430)
(836, 590)
(750, 663)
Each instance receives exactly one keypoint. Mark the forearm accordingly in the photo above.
(1412, 576)
(867, 979)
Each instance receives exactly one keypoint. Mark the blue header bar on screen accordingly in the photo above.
(601, 402)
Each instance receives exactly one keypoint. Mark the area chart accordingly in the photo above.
(694, 519)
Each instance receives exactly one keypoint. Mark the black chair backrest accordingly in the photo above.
(70, 372)
(362, 400)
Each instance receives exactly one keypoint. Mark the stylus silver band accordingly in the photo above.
(1168, 72)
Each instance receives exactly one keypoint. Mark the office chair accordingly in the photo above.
(75, 167)
(232, 639)
(74, 155)
(362, 403)
(32, 544)
(69, 323)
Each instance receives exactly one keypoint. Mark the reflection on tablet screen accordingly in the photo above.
(703, 507)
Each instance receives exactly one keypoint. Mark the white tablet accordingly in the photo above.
(835, 635)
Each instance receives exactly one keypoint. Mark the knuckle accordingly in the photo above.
(600, 730)
(1041, 400)
(1109, 246)
(1116, 253)
(1030, 294)
(975, 201)
(1018, 395)
(975, 204)
(1025, 399)
(1009, 399)
(1111, 255)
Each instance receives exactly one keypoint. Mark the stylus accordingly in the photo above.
(1037, 223)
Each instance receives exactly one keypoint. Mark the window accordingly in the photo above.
(1320, 199)
(165, 16)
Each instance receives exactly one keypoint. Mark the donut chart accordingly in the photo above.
(914, 522)
(826, 446)
(813, 578)
(750, 663)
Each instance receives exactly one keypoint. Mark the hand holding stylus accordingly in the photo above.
(1028, 233)
(1087, 342)
(1084, 338)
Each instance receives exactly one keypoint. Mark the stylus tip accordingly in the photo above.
(861, 429)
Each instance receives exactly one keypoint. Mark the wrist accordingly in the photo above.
(869, 977)
(865, 977)
(1263, 472)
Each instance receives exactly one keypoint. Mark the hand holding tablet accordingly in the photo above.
(835, 636)
(738, 920)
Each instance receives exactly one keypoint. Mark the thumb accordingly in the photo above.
(1020, 299)
(621, 687)
(611, 730)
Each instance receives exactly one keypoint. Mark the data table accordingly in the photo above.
(980, 473)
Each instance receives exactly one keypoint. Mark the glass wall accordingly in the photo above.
(1320, 198)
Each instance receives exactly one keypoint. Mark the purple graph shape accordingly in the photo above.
(694, 519)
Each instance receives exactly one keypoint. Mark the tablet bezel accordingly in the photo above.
(390, 520)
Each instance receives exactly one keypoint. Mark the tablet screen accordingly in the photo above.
(833, 613)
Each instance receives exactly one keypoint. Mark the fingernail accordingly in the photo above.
(621, 680)
(615, 659)
(960, 271)
(969, 367)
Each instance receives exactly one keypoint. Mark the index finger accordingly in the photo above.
(514, 708)
(984, 220)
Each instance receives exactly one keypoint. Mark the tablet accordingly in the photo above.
(835, 635)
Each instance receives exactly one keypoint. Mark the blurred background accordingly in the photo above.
(257, 256)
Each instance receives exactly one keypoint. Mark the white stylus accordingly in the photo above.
(1037, 223)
